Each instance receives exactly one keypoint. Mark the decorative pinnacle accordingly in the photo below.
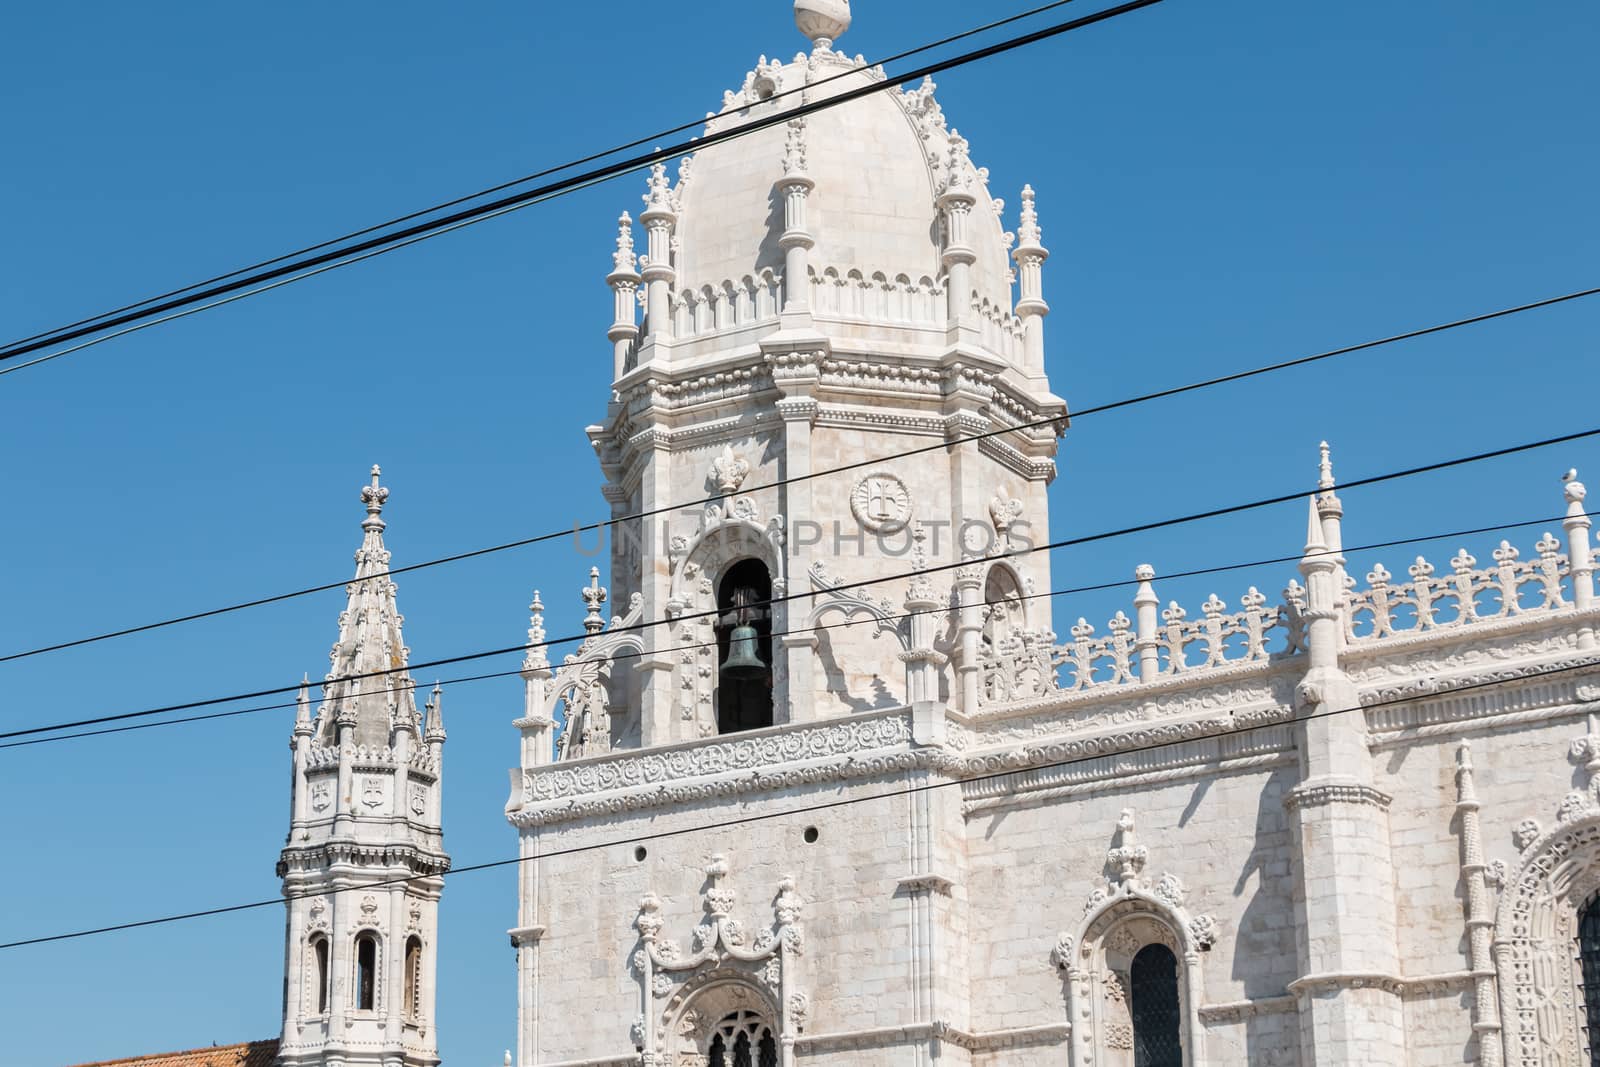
(1325, 468)
(623, 258)
(1028, 232)
(373, 496)
(823, 21)
(956, 177)
(594, 595)
(659, 198)
(433, 726)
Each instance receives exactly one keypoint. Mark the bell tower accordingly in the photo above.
(364, 862)
(825, 290)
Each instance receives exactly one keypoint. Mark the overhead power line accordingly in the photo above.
(612, 657)
(654, 138)
(1156, 524)
(500, 205)
(576, 530)
(809, 809)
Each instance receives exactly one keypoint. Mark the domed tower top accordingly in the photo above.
(824, 21)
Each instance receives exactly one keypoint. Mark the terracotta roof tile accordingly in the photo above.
(247, 1054)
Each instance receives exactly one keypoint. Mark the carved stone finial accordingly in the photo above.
(1028, 233)
(1325, 468)
(823, 21)
(624, 259)
(729, 471)
(659, 197)
(594, 596)
(374, 496)
(1128, 858)
(719, 898)
(958, 167)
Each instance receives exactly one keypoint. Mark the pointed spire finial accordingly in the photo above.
(1315, 545)
(594, 595)
(433, 724)
(1028, 233)
(1325, 468)
(374, 496)
(659, 198)
(624, 258)
(302, 706)
(538, 657)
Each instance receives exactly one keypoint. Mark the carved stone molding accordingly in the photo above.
(1319, 794)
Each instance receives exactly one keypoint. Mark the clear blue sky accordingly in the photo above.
(1222, 183)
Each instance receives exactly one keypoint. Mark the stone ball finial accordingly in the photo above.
(823, 21)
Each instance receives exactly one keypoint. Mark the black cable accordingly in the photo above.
(577, 530)
(547, 172)
(938, 568)
(610, 170)
(612, 657)
(744, 820)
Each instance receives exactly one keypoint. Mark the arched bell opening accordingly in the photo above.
(744, 648)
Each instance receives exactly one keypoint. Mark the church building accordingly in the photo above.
(861, 800)
(827, 784)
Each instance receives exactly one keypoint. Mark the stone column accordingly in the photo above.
(1349, 1000)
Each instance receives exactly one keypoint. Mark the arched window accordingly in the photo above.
(319, 970)
(1154, 1006)
(413, 1002)
(366, 971)
(1589, 956)
(742, 1039)
(744, 648)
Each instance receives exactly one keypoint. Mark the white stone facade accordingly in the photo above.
(1361, 816)
(364, 861)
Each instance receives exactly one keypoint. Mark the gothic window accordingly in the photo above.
(744, 648)
(366, 971)
(742, 1039)
(413, 1002)
(319, 971)
(1589, 957)
(1154, 1006)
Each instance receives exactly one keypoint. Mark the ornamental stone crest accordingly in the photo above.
(728, 471)
(726, 967)
(881, 503)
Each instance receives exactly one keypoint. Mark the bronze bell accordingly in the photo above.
(744, 660)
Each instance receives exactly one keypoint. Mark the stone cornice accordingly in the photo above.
(318, 857)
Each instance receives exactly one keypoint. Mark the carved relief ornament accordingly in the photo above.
(727, 968)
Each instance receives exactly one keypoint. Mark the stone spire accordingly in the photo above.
(370, 643)
(363, 866)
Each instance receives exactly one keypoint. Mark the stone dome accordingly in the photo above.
(879, 163)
